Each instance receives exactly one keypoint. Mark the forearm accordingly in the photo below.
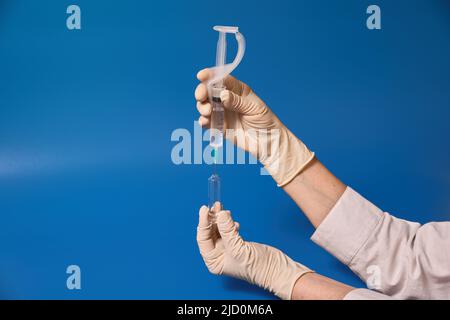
(315, 190)
(313, 286)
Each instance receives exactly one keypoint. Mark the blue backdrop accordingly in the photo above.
(86, 118)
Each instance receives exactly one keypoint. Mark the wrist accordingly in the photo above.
(288, 158)
(288, 272)
(313, 286)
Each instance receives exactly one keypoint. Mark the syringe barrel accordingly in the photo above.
(217, 119)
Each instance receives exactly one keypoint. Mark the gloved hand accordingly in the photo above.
(225, 252)
(255, 128)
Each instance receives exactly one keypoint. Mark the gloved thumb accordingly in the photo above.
(228, 231)
(204, 231)
(234, 102)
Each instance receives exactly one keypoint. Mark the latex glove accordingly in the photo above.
(225, 252)
(281, 153)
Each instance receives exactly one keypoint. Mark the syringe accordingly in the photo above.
(215, 87)
(218, 112)
(217, 120)
(216, 83)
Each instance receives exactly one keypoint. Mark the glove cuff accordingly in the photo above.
(290, 288)
(285, 285)
(289, 157)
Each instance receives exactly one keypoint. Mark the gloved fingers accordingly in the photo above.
(201, 92)
(233, 101)
(217, 206)
(204, 231)
(235, 85)
(215, 233)
(204, 74)
(215, 230)
(203, 217)
(218, 245)
(230, 82)
(204, 108)
(229, 232)
(240, 104)
(204, 121)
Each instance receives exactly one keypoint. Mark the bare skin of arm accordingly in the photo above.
(315, 190)
(313, 286)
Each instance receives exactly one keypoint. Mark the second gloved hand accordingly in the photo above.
(252, 126)
(225, 252)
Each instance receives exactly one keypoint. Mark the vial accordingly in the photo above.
(214, 202)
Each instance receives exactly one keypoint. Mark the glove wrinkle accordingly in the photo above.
(253, 262)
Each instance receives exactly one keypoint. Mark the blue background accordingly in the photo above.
(86, 119)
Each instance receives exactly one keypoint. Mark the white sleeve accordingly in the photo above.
(399, 258)
(366, 294)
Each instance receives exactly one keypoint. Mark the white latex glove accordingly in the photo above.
(225, 252)
(281, 153)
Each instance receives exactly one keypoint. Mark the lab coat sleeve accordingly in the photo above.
(366, 294)
(398, 258)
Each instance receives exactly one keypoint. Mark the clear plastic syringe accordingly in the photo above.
(218, 111)
(216, 83)
(215, 86)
